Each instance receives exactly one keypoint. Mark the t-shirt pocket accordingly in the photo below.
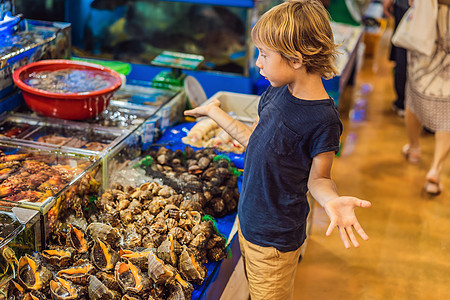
(284, 141)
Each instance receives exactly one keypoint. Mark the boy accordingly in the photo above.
(290, 147)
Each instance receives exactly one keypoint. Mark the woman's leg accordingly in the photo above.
(441, 151)
(413, 130)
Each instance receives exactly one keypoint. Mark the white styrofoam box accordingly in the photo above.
(243, 107)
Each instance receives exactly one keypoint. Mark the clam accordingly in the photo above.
(123, 204)
(76, 239)
(194, 186)
(215, 241)
(188, 205)
(216, 253)
(177, 232)
(147, 216)
(203, 162)
(171, 223)
(57, 257)
(63, 289)
(139, 259)
(199, 198)
(189, 152)
(218, 205)
(132, 238)
(207, 228)
(104, 233)
(159, 225)
(158, 270)
(166, 191)
(126, 216)
(190, 268)
(172, 211)
(98, 291)
(33, 275)
(187, 238)
(199, 241)
(109, 216)
(78, 274)
(103, 257)
(130, 278)
(135, 207)
(168, 250)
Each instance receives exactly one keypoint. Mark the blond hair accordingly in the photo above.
(299, 27)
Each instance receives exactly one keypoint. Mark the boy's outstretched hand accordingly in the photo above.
(341, 211)
(203, 110)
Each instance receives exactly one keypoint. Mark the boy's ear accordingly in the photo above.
(297, 62)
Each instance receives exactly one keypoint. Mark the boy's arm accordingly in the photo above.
(340, 210)
(233, 127)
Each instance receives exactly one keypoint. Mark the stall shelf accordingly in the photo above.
(349, 59)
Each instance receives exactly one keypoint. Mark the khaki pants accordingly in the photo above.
(270, 273)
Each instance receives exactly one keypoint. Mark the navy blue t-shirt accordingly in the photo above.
(273, 206)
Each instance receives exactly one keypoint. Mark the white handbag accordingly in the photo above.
(417, 29)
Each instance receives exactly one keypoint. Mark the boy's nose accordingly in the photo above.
(258, 64)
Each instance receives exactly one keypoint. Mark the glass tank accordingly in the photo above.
(137, 31)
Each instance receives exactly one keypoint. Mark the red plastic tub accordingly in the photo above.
(70, 105)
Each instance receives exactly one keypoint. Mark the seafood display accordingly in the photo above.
(12, 130)
(33, 177)
(81, 136)
(120, 117)
(143, 95)
(19, 40)
(146, 242)
(208, 180)
(207, 134)
(71, 142)
(65, 81)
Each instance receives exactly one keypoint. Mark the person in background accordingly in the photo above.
(428, 100)
(397, 9)
(290, 148)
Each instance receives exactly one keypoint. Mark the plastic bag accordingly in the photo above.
(417, 29)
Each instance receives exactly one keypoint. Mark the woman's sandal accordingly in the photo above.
(411, 154)
(432, 187)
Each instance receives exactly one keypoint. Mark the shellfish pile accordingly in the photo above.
(202, 176)
(31, 177)
(144, 243)
(157, 217)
